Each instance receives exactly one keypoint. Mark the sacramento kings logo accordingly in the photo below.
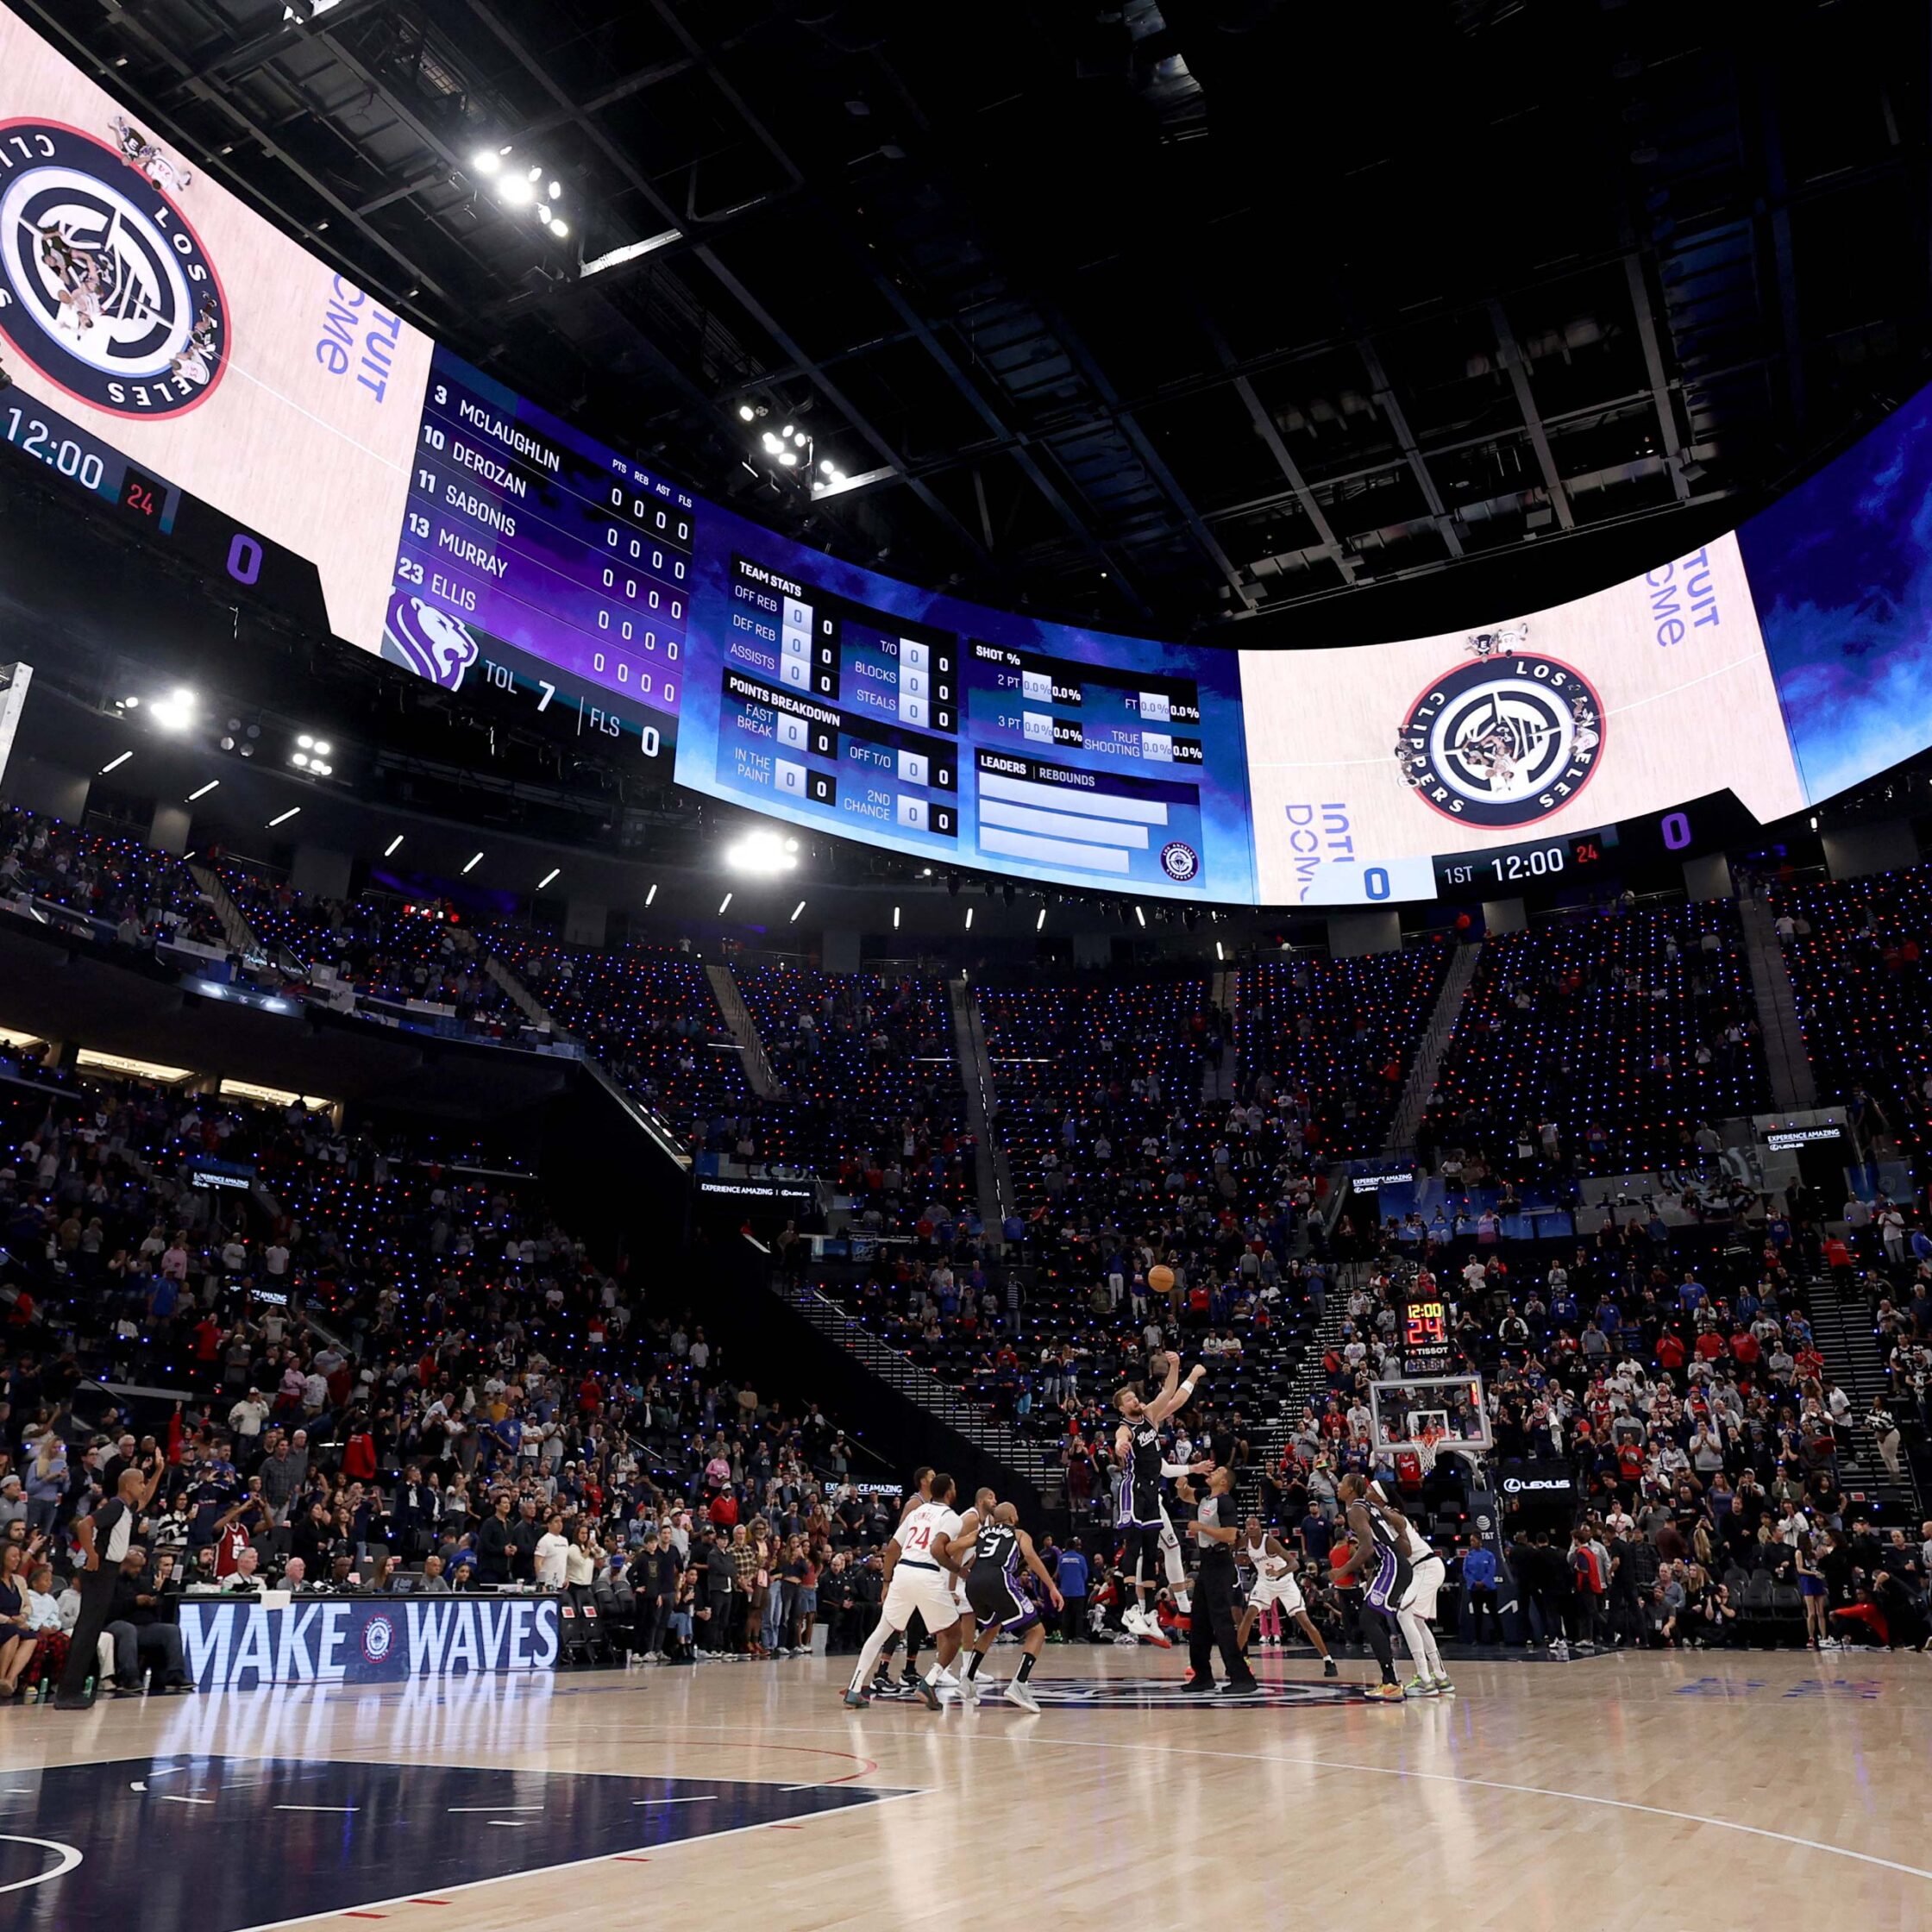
(1504, 741)
(103, 287)
(427, 640)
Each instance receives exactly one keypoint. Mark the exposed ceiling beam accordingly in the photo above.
(1270, 436)
(896, 298)
(1513, 361)
(831, 390)
(1383, 393)
(419, 278)
(1654, 369)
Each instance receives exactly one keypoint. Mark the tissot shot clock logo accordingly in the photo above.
(1504, 741)
(103, 286)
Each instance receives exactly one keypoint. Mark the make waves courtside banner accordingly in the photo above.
(230, 1645)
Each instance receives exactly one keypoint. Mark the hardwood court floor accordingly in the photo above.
(1644, 1791)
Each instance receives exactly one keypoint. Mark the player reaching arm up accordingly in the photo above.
(1146, 1535)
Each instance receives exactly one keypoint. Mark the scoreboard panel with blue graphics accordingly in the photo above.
(848, 702)
(180, 366)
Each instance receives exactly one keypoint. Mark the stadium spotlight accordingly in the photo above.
(796, 909)
(652, 894)
(518, 192)
(389, 850)
(204, 791)
(547, 878)
(300, 758)
(486, 160)
(724, 905)
(475, 861)
(746, 413)
(113, 763)
(789, 458)
(760, 852)
(175, 712)
(283, 818)
(307, 743)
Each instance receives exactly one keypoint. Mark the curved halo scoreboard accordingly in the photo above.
(168, 354)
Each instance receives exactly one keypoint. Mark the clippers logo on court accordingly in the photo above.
(378, 1635)
(103, 286)
(1504, 741)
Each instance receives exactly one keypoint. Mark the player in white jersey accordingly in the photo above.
(917, 1579)
(1274, 1583)
(1417, 1603)
(142, 154)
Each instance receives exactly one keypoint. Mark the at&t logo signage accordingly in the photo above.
(104, 287)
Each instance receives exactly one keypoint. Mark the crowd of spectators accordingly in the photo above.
(868, 1092)
(393, 1369)
(377, 948)
(1855, 949)
(1679, 1395)
(650, 1015)
(129, 891)
(1604, 1043)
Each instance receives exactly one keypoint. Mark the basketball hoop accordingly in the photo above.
(1424, 1448)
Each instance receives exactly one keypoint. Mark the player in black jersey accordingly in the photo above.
(1002, 1598)
(1377, 1564)
(1137, 1514)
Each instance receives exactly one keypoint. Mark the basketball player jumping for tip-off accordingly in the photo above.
(1140, 1517)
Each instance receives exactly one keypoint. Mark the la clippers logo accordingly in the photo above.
(379, 1634)
(103, 287)
(1504, 741)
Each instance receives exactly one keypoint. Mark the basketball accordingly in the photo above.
(1160, 1278)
